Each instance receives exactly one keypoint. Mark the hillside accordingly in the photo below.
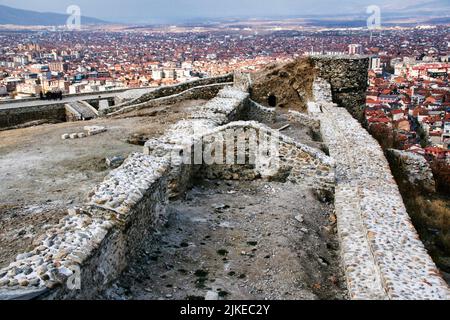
(15, 16)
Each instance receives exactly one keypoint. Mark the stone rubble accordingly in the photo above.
(90, 131)
(94, 130)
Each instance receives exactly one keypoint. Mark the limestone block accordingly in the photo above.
(93, 130)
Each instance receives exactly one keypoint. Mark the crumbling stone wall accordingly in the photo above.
(304, 119)
(166, 91)
(348, 76)
(415, 169)
(259, 113)
(268, 155)
(182, 138)
(201, 92)
(93, 244)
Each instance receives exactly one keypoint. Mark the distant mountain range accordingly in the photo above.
(420, 7)
(351, 14)
(21, 17)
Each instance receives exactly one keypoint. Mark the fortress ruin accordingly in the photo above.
(320, 217)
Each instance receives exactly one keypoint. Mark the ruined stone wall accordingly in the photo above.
(99, 239)
(166, 91)
(348, 76)
(265, 153)
(304, 119)
(260, 113)
(381, 252)
(183, 140)
(202, 92)
(16, 116)
(415, 168)
(94, 243)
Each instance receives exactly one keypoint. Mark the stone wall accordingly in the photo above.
(16, 116)
(202, 92)
(260, 113)
(381, 252)
(261, 152)
(305, 120)
(183, 139)
(172, 90)
(94, 243)
(348, 76)
(415, 168)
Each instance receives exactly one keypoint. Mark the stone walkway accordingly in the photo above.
(382, 254)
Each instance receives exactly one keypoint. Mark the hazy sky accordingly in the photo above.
(170, 10)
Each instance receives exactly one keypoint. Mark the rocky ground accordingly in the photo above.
(42, 175)
(239, 240)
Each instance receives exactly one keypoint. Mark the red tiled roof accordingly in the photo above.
(379, 120)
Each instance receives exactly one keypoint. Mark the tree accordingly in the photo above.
(441, 173)
(383, 134)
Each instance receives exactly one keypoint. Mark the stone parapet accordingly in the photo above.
(166, 91)
(382, 254)
(200, 92)
(90, 246)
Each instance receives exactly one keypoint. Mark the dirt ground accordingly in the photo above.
(239, 240)
(42, 175)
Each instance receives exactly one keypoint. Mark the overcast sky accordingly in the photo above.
(140, 11)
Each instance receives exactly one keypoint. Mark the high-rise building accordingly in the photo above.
(157, 74)
(58, 66)
(355, 49)
(375, 63)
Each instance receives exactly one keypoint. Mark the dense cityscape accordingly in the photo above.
(408, 76)
(76, 62)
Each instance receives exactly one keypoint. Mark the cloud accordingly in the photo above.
(165, 10)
